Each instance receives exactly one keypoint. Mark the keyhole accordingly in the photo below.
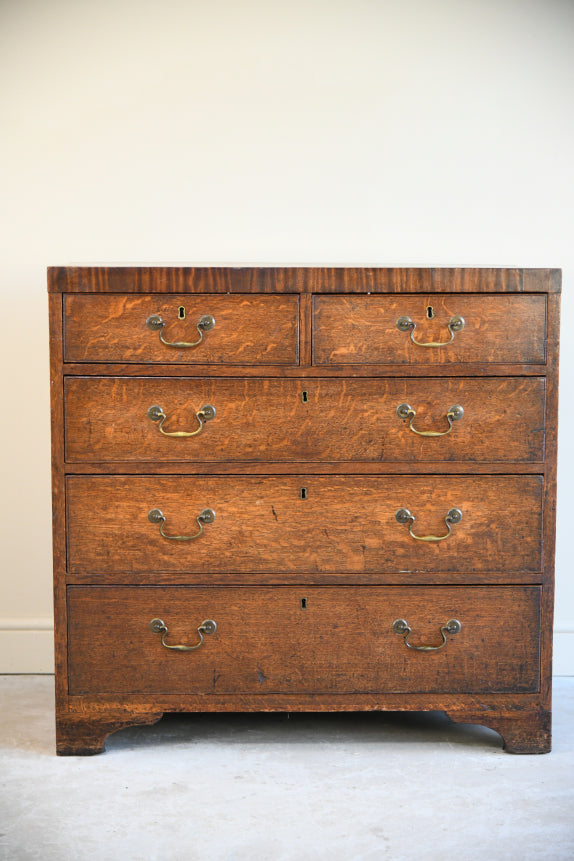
(181, 312)
(430, 312)
(303, 603)
(303, 493)
(305, 397)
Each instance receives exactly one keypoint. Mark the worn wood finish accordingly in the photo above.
(345, 443)
(522, 732)
(362, 329)
(347, 524)
(248, 329)
(503, 704)
(81, 735)
(58, 502)
(550, 482)
(265, 642)
(308, 420)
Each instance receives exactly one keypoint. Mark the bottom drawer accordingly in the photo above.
(308, 640)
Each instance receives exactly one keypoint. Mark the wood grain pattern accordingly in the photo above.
(550, 485)
(269, 420)
(362, 329)
(493, 703)
(248, 329)
(249, 467)
(472, 369)
(58, 502)
(265, 642)
(542, 281)
(340, 548)
(184, 279)
(347, 524)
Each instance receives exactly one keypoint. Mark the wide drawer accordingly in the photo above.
(317, 640)
(304, 524)
(501, 421)
(363, 329)
(246, 329)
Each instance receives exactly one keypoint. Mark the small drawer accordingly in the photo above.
(283, 526)
(309, 639)
(429, 330)
(185, 329)
(488, 420)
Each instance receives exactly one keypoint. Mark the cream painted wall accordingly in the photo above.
(251, 131)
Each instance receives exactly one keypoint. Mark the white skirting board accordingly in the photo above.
(563, 664)
(26, 646)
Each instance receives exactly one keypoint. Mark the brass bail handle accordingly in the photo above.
(401, 627)
(158, 626)
(455, 324)
(157, 516)
(205, 414)
(204, 324)
(406, 412)
(403, 515)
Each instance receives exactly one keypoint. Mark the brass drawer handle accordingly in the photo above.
(158, 626)
(205, 414)
(456, 324)
(204, 324)
(406, 412)
(400, 626)
(403, 515)
(157, 516)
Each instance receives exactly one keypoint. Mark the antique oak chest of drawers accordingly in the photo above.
(303, 489)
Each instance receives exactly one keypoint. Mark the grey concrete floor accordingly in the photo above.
(234, 787)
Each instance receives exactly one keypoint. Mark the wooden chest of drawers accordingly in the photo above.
(303, 489)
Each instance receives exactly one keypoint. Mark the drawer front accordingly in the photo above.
(345, 524)
(247, 329)
(338, 639)
(363, 329)
(328, 420)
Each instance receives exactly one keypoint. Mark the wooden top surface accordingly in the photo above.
(226, 279)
